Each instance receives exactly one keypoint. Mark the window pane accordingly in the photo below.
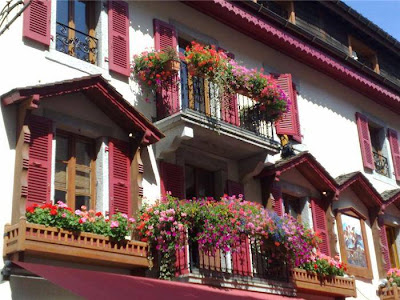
(190, 182)
(61, 148)
(60, 196)
(81, 20)
(82, 200)
(60, 181)
(82, 180)
(205, 183)
(62, 12)
(83, 153)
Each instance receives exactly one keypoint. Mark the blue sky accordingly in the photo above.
(385, 14)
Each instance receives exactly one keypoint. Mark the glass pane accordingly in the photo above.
(62, 12)
(60, 196)
(205, 183)
(60, 181)
(82, 200)
(61, 148)
(83, 153)
(189, 182)
(82, 181)
(81, 20)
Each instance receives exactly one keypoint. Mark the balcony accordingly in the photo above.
(389, 292)
(50, 242)
(250, 267)
(76, 43)
(235, 121)
(381, 164)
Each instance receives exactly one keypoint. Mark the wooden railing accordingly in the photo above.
(390, 293)
(43, 241)
(334, 286)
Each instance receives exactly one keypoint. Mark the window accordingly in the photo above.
(353, 242)
(362, 53)
(198, 182)
(377, 135)
(74, 171)
(391, 238)
(285, 9)
(292, 206)
(75, 29)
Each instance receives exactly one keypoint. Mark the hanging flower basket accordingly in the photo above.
(172, 66)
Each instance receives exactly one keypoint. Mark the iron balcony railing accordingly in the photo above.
(252, 259)
(381, 164)
(76, 43)
(197, 94)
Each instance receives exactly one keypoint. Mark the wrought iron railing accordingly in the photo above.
(252, 259)
(76, 43)
(197, 94)
(381, 164)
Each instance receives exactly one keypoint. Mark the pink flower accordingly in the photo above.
(132, 220)
(64, 215)
(114, 224)
(78, 212)
(125, 216)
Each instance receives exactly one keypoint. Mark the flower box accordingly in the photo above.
(52, 242)
(389, 293)
(334, 286)
(172, 65)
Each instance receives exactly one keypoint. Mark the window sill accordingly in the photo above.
(76, 63)
(383, 178)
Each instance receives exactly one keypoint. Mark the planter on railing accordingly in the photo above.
(312, 283)
(390, 292)
(58, 243)
(172, 66)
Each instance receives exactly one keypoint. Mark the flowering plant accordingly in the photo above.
(61, 216)
(207, 61)
(149, 67)
(324, 265)
(393, 276)
(219, 225)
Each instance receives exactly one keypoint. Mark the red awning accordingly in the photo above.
(101, 285)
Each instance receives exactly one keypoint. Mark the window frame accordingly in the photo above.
(196, 171)
(71, 167)
(364, 272)
(91, 10)
(392, 247)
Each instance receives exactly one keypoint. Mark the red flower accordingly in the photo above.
(99, 214)
(80, 221)
(277, 244)
(30, 209)
(53, 212)
(315, 266)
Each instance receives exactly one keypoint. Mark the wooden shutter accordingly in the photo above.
(289, 123)
(365, 141)
(39, 170)
(168, 97)
(118, 37)
(385, 248)
(120, 176)
(229, 109)
(181, 262)
(278, 201)
(241, 263)
(234, 188)
(37, 21)
(172, 180)
(320, 224)
(394, 146)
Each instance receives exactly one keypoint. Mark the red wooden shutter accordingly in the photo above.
(168, 98)
(118, 37)
(120, 176)
(39, 170)
(229, 109)
(394, 146)
(181, 263)
(320, 224)
(385, 248)
(289, 124)
(172, 180)
(241, 257)
(365, 141)
(278, 202)
(37, 21)
(234, 188)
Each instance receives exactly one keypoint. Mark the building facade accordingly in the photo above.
(76, 127)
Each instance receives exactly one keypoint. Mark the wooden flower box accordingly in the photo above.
(51, 242)
(389, 293)
(334, 286)
(172, 66)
